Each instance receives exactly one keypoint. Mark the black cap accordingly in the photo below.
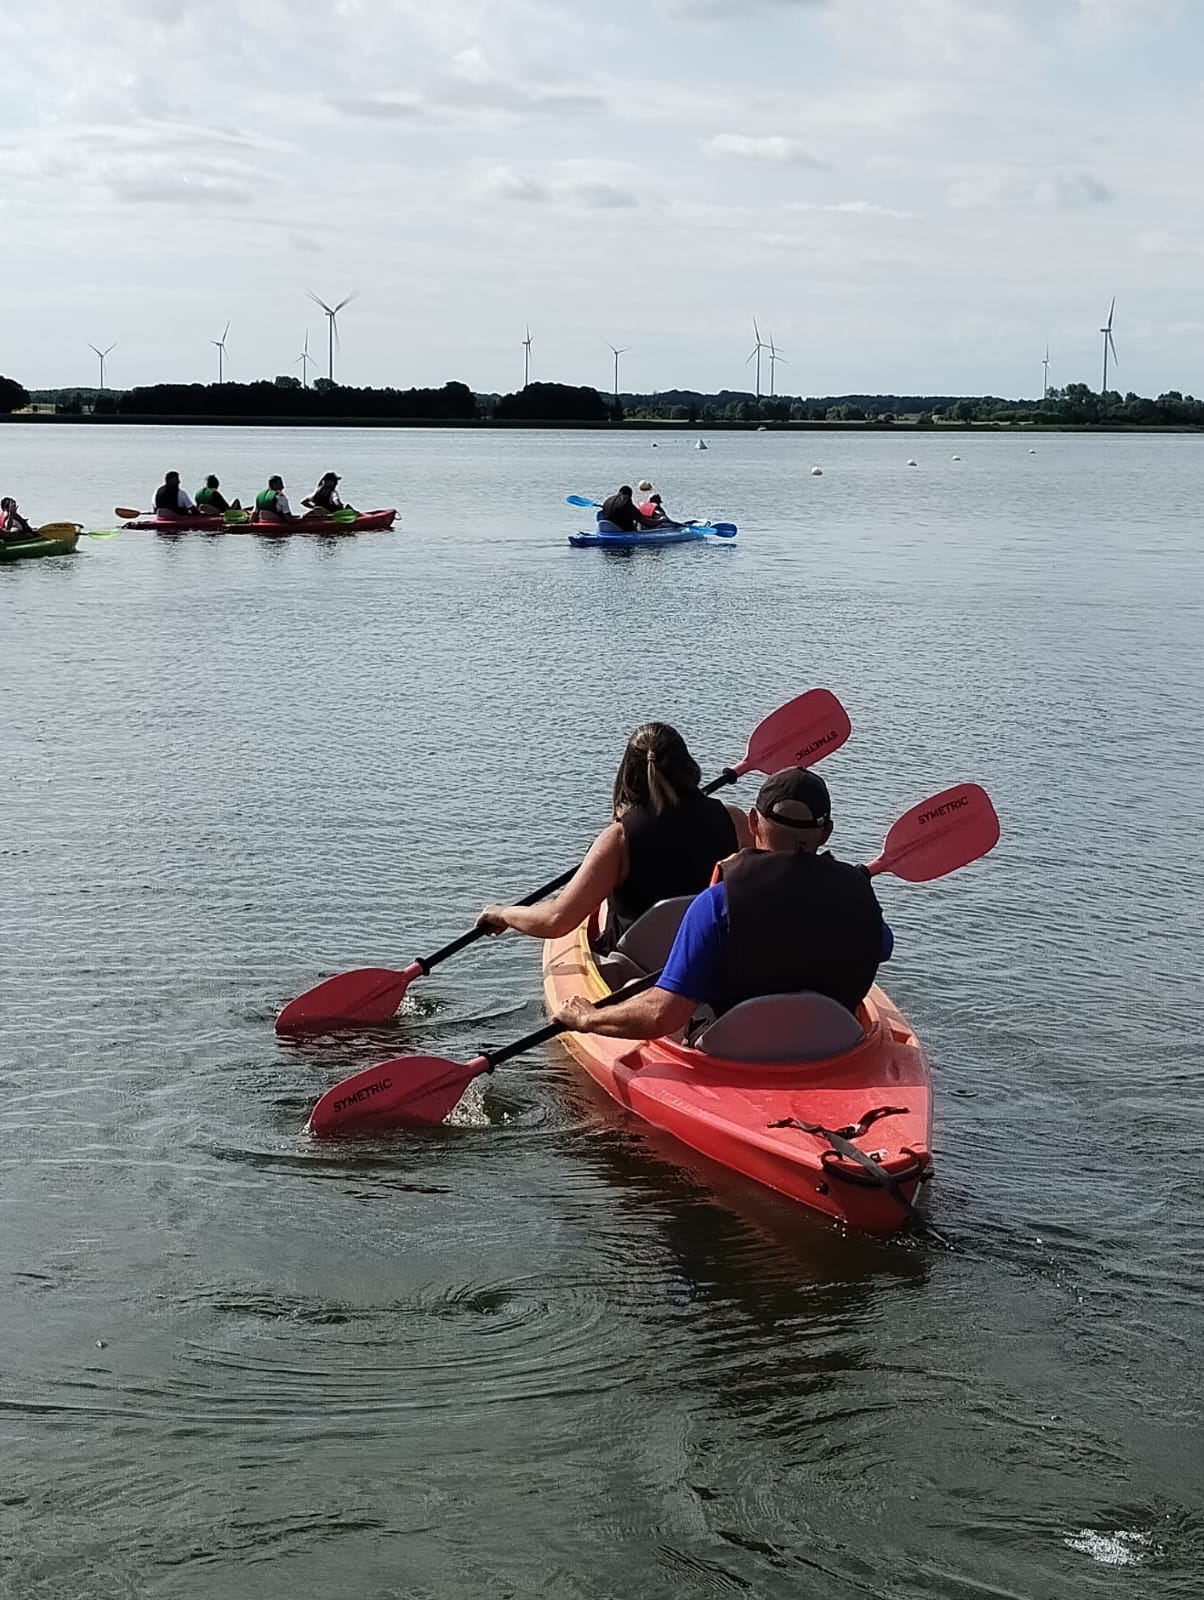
(330, 477)
(803, 788)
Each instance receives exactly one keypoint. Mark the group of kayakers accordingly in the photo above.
(774, 912)
(622, 511)
(172, 501)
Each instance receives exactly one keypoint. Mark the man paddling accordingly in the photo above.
(622, 512)
(781, 918)
(210, 499)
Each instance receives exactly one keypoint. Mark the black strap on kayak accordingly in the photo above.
(841, 1139)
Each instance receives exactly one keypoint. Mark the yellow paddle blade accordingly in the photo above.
(125, 513)
(58, 530)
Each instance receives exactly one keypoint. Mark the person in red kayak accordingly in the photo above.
(782, 917)
(325, 498)
(172, 503)
(271, 504)
(663, 840)
(622, 512)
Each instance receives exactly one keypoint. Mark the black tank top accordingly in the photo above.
(798, 921)
(669, 853)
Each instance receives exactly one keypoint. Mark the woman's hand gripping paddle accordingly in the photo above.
(797, 734)
(938, 836)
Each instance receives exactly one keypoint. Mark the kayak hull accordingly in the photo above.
(35, 549)
(725, 1110)
(617, 540)
(366, 522)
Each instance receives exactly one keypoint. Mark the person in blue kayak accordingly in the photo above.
(210, 499)
(171, 501)
(663, 840)
(653, 508)
(622, 512)
(782, 917)
(271, 504)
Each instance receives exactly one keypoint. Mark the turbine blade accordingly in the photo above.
(346, 300)
(318, 301)
(1112, 342)
(1111, 309)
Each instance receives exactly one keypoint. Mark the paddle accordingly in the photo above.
(58, 530)
(724, 530)
(935, 838)
(419, 1091)
(580, 500)
(939, 835)
(126, 514)
(798, 734)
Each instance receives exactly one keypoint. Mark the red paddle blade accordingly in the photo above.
(367, 995)
(941, 834)
(407, 1092)
(798, 734)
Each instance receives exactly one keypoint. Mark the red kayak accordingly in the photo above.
(366, 522)
(798, 1118)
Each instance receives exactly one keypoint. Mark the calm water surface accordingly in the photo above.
(535, 1353)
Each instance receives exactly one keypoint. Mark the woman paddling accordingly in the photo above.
(664, 840)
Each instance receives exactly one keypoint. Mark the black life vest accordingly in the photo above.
(798, 921)
(669, 853)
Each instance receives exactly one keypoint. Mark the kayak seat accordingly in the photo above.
(782, 1027)
(645, 946)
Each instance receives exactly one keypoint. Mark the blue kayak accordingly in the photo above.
(607, 537)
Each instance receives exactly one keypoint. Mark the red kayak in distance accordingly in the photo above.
(366, 522)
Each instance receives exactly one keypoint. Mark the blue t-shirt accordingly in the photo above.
(698, 960)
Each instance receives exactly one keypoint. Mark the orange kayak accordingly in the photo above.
(794, 1125)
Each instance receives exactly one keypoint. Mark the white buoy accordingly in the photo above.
(911, 463)
(644, 485)
(1032, 452)
(817, 472)
(701, 445)
(957, 458)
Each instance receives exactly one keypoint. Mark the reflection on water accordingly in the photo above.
(539, 1350)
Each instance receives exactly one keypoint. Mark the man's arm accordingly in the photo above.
(650, 1015)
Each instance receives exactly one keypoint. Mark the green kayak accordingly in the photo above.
(29, 548)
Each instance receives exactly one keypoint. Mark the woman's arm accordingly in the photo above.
(740, 823)
(604, 868)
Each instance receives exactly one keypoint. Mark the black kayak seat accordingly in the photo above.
(783, 1028)
(646, 945)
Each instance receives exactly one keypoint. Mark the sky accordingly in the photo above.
(909, 196)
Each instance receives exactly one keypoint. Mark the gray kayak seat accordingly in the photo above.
(646, 945)
(782, 1027)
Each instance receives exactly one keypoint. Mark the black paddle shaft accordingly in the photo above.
(545, 889)
(552, 1029)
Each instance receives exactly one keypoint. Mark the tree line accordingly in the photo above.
(1075, 405)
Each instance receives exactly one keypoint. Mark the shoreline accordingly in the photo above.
(633, 425)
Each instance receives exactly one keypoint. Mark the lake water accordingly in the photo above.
(536, 1353)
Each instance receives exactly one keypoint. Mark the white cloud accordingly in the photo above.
(772, 147)
(1157, 242)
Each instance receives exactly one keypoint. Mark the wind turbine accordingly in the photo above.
(221, 352)
(102, 354)
(333, 332)
(775, 356)
(1045, 369)
(621, 351)
(527, 359)
(1106, 330)
(756, 351)
(303, 361)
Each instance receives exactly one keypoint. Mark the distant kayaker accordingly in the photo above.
(781, 918)
(271, 504)
(13, 526)
(622, 512)
(325, 498)
(211, 498)
(653, 508)
(663, 840)
(171, 500)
